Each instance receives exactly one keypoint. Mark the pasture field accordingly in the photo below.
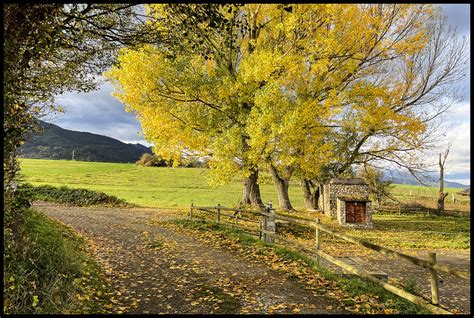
(404, 191)
(171, 187)
(145, 186)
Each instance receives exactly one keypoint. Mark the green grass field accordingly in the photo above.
(144, 186)
(427, 192)
(163, 187)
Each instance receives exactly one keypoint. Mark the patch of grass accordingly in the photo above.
(353, 286)
(228, 304)
(415, 231)
(77, 197)
(414, 191)
(154, 244)
(411, 286)
(233, 233)
(53, 273)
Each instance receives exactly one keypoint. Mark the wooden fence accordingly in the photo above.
(266, 231)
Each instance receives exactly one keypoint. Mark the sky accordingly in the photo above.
(101, 113)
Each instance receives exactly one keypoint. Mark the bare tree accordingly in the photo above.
(442, 195)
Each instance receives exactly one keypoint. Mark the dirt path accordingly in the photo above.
(157, 270)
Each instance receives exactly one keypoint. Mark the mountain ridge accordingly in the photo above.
(410, 180)
(54, 142)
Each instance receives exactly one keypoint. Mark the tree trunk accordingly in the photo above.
(378, 198)
(442, 195)
(251, 194)
(311, 197)
(282, 186)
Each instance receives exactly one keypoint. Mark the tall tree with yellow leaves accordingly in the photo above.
(300, 89)
(389, 105)
(198, 93)
(364, 83)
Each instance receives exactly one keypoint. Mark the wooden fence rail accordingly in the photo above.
(267, 232)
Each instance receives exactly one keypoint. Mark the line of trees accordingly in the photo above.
(302, 91)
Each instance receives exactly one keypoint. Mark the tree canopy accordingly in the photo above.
(305, 89)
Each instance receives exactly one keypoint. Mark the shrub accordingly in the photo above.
(148, 160)
(79, 197)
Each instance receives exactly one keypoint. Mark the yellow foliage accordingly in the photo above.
(291, 78)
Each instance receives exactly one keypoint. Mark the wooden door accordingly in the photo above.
(355, 212)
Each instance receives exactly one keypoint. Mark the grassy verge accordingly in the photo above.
(53, 273)
(357, 295)
(77, 197)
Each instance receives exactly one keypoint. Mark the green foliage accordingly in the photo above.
(78, 197)
(51, 270)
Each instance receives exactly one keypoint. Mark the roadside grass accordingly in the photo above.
(165, 187)
(53, 274)
(356, 292)
(144, 186)
(401, 232)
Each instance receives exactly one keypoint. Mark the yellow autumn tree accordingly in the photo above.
(189, 94)
(388, 100)
(299, 89)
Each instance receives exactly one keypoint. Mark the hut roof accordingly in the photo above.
(347, 181)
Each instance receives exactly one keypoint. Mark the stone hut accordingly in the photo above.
(347, 200)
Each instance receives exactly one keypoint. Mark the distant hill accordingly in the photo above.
(55, 142)
(409, 179)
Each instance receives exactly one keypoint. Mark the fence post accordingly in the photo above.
(434, 280)
(191, 211)
(218, 213)
(270, 224)
(318, 241)
(263, 225)
(399, 209)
